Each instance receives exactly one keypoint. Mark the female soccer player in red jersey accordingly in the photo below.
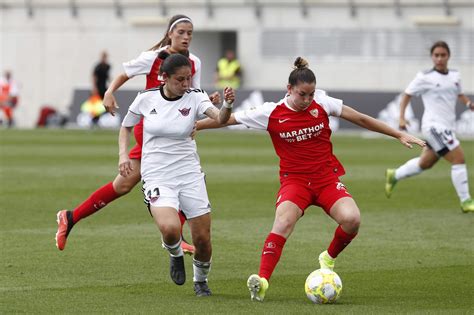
(309, 172)
(177, 39)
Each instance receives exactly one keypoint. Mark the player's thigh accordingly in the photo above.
(123, 185)
(455, 156)
(346, 212)
(428, 158)
(286, 215)
(167, 219)
(345, 209)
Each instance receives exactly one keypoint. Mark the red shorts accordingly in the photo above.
(304, 192)
(136, 151)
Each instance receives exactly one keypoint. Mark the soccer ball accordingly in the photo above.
(323, 286)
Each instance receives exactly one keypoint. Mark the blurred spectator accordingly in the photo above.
(228, 71)
(8, 96)
(91, 111)
(101, 76)
(50, 117)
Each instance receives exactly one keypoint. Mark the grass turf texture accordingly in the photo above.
(414, 252)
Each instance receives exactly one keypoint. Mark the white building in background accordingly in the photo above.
(359, 45)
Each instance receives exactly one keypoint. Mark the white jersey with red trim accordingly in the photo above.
(439, 93)
(301, 138)
(168, 150)
(148, 64)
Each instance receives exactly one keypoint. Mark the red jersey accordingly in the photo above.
(302, 140)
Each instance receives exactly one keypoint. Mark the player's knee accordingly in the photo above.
(202, 242)
(170, 232)
(351, 222)
(124, 186)
(283, 225)
(425, 165)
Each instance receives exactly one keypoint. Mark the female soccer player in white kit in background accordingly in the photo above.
(440, 88)
(170, 167)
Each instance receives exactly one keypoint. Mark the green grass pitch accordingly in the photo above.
(414, 252)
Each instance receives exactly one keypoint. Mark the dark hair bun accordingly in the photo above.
(300, 63)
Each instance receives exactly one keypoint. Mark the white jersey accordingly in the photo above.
(439, 93)
(148, 64)
(168, 150)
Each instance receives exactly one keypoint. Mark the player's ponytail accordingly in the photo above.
(301, 72)
(166, 40)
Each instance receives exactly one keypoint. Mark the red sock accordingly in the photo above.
(339, 242)
(99, 199)
(271, 254)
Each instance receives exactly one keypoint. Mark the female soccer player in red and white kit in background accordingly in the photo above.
(177, 39)
(309, 172)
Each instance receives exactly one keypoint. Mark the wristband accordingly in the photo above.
(227, 105)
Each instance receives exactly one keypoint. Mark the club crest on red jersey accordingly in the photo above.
(185, 111)
(314, 112)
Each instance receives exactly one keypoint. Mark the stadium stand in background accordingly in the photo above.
(355, 46)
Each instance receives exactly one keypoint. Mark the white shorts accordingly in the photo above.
(441, 140)
(187, 193)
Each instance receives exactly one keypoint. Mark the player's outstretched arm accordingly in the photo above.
(370, 123)
(402, 122)
(109, 101)
(124, 164)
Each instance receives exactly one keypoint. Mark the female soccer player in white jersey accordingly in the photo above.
(177, 39)
(439, 88)
(309, 172)
(170, 168)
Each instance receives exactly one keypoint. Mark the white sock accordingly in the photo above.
(410, 168)
(174, 250)
(201, 270)
(459, 178)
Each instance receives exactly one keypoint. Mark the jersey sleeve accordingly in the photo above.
(204, 104)
(256, 118)
(332, 106)
(418, 86)
(141, 65)
(134, 113)
(196, 81)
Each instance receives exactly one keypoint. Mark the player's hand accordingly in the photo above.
(229, 95)
(402, 124)
(215, 98)
(407, 140)
(110, 103)
(470, 105)
(125, 165)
